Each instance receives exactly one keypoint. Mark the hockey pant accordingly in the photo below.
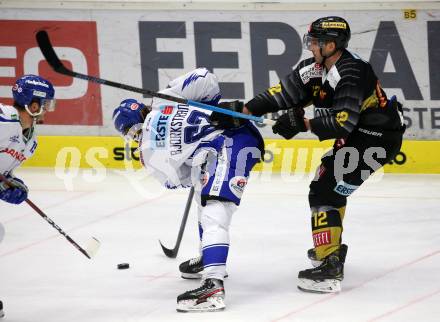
(229, 159)
(343, 170)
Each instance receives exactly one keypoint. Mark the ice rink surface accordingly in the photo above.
(392, 227)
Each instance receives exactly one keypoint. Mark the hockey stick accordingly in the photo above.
(53, 60)
(93, 244)
(172, 253)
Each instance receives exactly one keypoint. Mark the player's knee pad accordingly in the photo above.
(326, 224)
(216, 219)
(217, 215)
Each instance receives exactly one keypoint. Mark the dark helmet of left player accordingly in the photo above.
(327, 29)
(128, 118)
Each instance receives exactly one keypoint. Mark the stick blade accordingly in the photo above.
(48, 52)
(171, 253)
(93, 247)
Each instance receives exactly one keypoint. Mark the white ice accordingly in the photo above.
(392, 272)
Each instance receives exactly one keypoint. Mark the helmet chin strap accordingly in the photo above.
(33, 114)
(328, 56)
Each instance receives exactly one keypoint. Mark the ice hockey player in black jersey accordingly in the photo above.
(350, 107)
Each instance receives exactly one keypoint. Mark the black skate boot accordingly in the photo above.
(2, 314)
(192, 268)
(208, 297)
(326, 278)
(311, 254)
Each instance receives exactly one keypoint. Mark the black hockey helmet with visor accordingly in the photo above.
(327, 29)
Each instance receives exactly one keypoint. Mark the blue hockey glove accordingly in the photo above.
(15, 194)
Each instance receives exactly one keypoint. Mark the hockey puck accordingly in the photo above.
(123, 266)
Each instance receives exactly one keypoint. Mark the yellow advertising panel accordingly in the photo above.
(281, 155)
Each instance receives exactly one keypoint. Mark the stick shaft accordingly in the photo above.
(53, 60)
(173, 252)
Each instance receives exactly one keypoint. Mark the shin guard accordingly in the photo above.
(326, 229)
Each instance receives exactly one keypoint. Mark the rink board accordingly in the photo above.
(281, 155)
(249, 48)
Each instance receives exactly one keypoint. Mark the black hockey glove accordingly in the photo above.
(290, 124)
(224, 121)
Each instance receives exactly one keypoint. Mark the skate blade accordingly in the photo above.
(324, 286)
(212, 304)
(194, 276)
(191, 276)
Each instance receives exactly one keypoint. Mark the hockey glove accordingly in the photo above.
(290, 124)
(15, 194)
(224, 121)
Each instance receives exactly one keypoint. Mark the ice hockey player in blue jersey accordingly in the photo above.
(187, 146)
(33, 96)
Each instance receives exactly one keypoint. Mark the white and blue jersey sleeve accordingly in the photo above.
(14, 150)
(198, 85)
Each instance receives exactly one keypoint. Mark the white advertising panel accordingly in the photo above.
(248, 50)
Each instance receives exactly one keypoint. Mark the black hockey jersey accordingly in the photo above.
(346, 98)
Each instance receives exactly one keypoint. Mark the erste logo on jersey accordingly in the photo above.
(344, 188)
(167, 109)
(159, 130)
(78, 102)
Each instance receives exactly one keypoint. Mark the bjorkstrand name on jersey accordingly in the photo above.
(176, 131)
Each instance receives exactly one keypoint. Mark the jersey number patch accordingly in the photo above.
(194, 132)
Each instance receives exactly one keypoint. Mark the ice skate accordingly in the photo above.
(326, 278)
(193, 268)
(208, 297)
(311, 254)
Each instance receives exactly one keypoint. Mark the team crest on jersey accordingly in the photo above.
(237, 184)
(14, 139)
